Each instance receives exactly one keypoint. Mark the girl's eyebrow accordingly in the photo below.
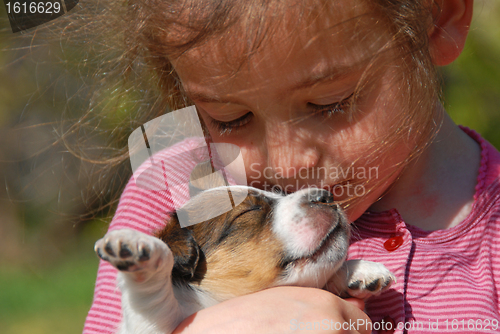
(202, 97)
(329, 74)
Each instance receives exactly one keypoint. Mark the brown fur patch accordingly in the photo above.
(246, 269)
(235, 261)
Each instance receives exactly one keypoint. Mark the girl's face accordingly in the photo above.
(288, 105)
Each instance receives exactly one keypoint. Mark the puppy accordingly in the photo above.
(267, 240)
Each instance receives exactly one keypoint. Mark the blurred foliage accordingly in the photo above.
(52, 299)
(47, 265)
(472, 82)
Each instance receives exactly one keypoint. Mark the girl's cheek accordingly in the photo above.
(254, 164)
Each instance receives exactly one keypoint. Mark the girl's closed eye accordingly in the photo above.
(225, 127)
(328, 110)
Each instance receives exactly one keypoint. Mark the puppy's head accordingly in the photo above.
(267, 240)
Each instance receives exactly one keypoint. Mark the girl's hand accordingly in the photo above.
(280, 310)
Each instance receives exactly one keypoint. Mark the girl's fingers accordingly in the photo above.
(285, 310)
(359, 303)
(356, 321)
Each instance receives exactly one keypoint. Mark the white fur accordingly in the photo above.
(354, 277)
(294, 227)
(151, 304)
(147, 297)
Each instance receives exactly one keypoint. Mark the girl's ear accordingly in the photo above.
(189, 260)
(447, 37)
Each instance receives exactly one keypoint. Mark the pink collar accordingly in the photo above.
(486, 193)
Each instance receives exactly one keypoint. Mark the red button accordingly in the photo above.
(393, 243)
(387, 325)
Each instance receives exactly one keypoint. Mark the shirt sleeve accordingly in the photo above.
(145, 209)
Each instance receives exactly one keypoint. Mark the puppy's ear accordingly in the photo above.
(204, 177)
(189, 260)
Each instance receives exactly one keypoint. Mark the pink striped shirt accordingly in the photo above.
(447, 280)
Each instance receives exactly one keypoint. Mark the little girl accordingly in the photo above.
(334, 86)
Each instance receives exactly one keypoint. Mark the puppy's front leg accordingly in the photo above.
(360, 279)
(145, 264)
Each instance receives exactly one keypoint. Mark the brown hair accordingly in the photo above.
(136, 38)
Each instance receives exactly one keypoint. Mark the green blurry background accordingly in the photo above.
(47, 265)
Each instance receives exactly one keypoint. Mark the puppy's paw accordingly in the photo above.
(133, 252)
(367, 278)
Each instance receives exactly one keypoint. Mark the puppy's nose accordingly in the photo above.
(318, 196)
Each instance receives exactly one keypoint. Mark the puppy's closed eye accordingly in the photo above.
(267, 240)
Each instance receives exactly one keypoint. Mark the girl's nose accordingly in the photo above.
(291, 153)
